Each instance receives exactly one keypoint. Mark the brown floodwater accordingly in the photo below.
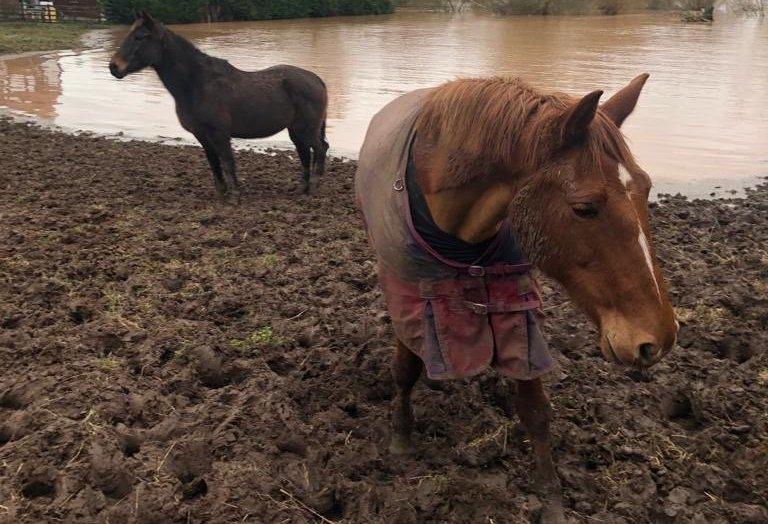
(702, 121)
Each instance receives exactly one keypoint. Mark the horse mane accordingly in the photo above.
(192, 53)
(186, 47)
(488, 122)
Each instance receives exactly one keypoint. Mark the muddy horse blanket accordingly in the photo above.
(458, 318)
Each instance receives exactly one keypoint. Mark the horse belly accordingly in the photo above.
(256, 129)
(261, 120)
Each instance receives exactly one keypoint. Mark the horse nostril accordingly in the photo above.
(646, 352)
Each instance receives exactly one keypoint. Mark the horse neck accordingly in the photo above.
(179, 66)
(463, 203)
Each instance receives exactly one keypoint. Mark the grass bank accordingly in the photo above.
(22, 37)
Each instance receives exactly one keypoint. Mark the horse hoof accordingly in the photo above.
(233, 198)
(553, 513)
(308, 188)
(401, 445)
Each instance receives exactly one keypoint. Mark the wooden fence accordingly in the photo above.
(50, 10)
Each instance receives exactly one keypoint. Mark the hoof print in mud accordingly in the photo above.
(80, 313)
(212, 372)
(189, 462)
(292, 444)
(683, 407)
(6, 435)
(196, 487)
(40, 482)
(130, 443)
(108, 472)
(13, 399)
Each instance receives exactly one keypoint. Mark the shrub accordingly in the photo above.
(171, 11)
(572, 7)
(540, 7)
(695, 5)
(181, 11)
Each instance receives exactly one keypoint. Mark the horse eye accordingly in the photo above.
(140, 36)
(585, 210)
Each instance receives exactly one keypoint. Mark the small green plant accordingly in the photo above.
(269, 260)
(262, 337)
(114, 302)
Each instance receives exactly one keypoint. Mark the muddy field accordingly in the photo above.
(166, 358)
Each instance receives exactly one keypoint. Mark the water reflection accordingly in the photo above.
(31, 85)
(703, 119)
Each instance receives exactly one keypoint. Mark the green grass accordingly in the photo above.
(262, 337)
(22, 37)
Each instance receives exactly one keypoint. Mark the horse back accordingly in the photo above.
(301, 84)
(379, 184)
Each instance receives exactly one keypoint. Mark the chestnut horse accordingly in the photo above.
(216, 101)
(557, 171)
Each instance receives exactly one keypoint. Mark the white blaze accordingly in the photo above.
(624, 176)
(647, 252)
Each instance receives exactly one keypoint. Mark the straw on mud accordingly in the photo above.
(80, 449)
(238, 508)
(304, 506)
(294, 317)
(162, 462)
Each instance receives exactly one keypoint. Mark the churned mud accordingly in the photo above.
(167, 358)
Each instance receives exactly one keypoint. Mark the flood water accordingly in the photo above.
(702, 121)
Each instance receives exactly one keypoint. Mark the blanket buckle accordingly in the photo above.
(476, 271)
(477, 308)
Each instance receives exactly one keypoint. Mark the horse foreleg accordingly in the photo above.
(406, 369)
(535, 411)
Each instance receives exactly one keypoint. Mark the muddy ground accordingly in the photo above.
(166, 358)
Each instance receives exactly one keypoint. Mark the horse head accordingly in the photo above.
(141, 48)
(582, 216)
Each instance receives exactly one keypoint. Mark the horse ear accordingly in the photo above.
(621, 105)
(577, 120)
(148, 20)
(153, 25)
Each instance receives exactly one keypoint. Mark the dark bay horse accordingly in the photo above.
(216, 101)
(495, 155)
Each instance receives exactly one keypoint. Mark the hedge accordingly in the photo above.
(182, 11)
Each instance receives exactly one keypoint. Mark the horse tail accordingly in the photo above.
(321, 151)
(323, 141)
(322, 131)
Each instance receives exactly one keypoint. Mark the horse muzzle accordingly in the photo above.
(636, 351)
(118, 66)
(638, 339)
